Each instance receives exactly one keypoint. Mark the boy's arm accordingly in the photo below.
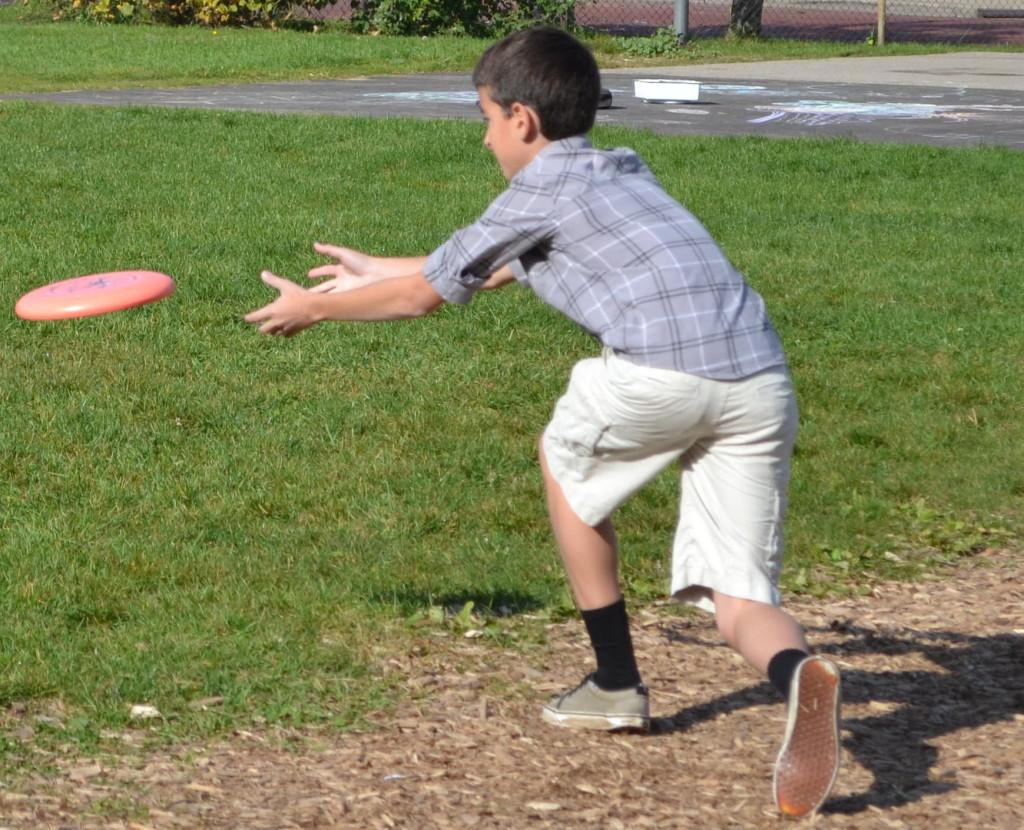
(354, 269)
(499, 279)
(296, 309)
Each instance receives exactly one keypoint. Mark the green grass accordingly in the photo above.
(97, 57)
(190, 510)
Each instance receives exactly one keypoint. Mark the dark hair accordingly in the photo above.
(545, 69)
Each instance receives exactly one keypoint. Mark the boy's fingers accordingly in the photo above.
(257, 316)
(323, 271)
(272, 328)
(328, 250)
(261, 315)
(274, 281)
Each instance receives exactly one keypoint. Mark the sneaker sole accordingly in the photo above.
(808, 762)
(602, 723)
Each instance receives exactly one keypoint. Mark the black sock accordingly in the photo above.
(608, 628)
(782, 667)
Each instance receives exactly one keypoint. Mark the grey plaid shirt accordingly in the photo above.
(594, 235)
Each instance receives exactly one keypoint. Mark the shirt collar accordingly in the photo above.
(573, 143)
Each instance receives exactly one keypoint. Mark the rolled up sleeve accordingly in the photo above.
(515, 222)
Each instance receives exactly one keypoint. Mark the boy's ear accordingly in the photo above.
(528, 121)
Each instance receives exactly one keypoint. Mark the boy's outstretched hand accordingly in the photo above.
(292, 312)
(361, 287)
(351, 269)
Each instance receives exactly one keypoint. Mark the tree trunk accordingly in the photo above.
(745, 19)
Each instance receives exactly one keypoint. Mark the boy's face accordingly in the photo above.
(509, 134)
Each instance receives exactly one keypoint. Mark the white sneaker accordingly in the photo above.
(808, 761)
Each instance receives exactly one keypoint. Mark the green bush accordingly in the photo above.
(389, 17)
(663, 42)
(418, 17)
(101, 11)
(473, 17)
(183, 12)
(406, 17)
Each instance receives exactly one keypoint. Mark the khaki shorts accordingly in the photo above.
(620, 424)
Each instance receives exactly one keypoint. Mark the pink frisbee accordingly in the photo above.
(94, 294)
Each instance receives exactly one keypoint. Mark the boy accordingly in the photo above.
(691, 369)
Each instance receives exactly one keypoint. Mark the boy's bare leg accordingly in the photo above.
(756, 630)
(612, 697)
(590, 553)
(774, 644)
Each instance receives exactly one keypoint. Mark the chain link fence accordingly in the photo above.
(945, 21)
(924, 21)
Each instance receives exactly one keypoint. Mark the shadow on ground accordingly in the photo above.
(977, 680)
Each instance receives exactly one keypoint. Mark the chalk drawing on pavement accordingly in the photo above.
(817, 113)
(734, 89)
(439, 96)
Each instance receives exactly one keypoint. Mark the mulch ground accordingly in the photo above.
(933, 735)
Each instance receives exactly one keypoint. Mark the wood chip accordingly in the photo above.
(84, 773)
(543, 806)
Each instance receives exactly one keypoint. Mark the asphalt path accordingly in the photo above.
(960, 99)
